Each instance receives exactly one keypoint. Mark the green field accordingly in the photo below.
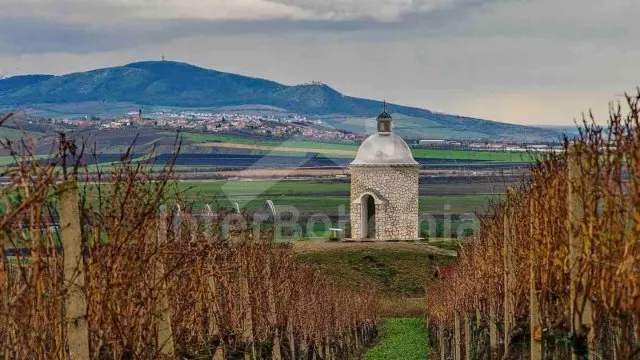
(263, 188)
(400, 339)
(310, 196)
(8, 160)
(119, 142)
(331, 205)
(314, 196)
(331, 198)
(473, 155)
(15, 134)
(299, 144)
(497, 156)
(324, 197)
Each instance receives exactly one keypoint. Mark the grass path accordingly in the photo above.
(401, 339)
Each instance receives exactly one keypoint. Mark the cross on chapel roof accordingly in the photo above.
(384, 120)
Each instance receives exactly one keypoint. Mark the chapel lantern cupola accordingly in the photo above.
(384, 121)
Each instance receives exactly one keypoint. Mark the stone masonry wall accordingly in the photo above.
(398, 218)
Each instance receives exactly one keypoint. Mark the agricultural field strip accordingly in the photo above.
(17, 134)
(417, 153)
(349, 153)
(310, 196)
(267, 160)
(230, 141)
(313, 196)
(8, 160)
(327, 187)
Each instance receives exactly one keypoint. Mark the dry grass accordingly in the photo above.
(397, 307)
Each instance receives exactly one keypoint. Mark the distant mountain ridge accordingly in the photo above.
(168, 83)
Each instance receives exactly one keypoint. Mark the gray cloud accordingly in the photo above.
(82, 11)
(526, 61)
(33, 26)
(81, 27)
(37, 36)
(381, 10)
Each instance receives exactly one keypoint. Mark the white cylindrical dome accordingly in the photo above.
(387, 149)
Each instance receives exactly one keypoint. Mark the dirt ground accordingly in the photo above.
(311, 246)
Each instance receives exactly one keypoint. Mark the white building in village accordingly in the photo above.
(384, 187)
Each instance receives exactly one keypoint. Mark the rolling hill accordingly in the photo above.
(181, 85)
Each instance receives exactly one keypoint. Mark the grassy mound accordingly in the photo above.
(399, 274)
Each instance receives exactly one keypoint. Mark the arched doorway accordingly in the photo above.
(368, 204)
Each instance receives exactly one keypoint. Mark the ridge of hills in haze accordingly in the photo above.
(181, 85)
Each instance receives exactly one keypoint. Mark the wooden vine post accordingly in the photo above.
(276, 353)
(215, 289)
(74, 272)
(493, 326)
(535, 321)
(467, 337)
(214, 331)
(509, 279)
(292, 339)
(441, 342)
(457, 343)
(581, 317)
(247, 310)
(165, 332)
(493, 319)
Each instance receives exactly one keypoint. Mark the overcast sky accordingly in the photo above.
(519, 61)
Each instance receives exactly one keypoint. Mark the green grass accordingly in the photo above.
(496, 156)
(306, 196)
(245, 188)
(437, 204)
(334, 205)
(401, 339)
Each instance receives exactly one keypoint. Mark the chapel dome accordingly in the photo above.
(384, 149)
